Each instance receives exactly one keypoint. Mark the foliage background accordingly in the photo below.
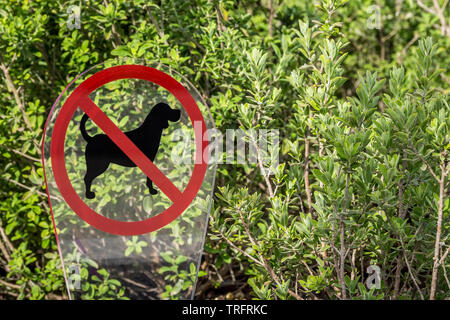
(361, 102)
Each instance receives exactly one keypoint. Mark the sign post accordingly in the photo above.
(129, 216)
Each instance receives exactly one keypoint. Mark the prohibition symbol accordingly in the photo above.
(80, 99)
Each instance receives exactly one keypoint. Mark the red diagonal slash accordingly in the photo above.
(130, 149)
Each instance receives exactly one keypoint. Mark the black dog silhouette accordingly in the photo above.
(101, 150)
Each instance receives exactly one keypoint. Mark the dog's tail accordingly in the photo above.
(83, 128)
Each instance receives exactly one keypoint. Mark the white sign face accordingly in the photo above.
(129, 182)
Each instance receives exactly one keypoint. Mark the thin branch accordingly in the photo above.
(437, 11)
(405, 48)
(240, 250)
(42, 194)
(445, 275)
(5, 254)
(424, 7)
(412, 276)
(423, 160)
(155, 22)
(137, 284)
(444, 256)
(401, 213)
(246, 228)
(440, 15)
(306, 169)
(264, 261)
(113, 30)
(19, 103)
(56, 296)
(342, 251)
(11, 285)
(6, 240)
(399, 236)
(271, 16)
(22, 154)
(434, 276)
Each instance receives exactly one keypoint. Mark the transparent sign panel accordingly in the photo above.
(99, 264)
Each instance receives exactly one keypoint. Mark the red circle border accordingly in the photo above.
(63, 119)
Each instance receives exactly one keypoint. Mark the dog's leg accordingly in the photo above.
(94, 169)
(88, 183)
(150, 187)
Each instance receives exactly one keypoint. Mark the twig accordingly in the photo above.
(155, 22)
(306, 172)
(42, 194)
(19, 103)
(240, 250)
(401, 213)
(342, 251)
(434, 276)
(5, 238)
(307, 267)
(113, 30)
(233, 277)
(439, 12)
(56, 296)
(219, 25)
(424, 7)
(219, 276)
(444, 256)
(4, 263)
(22, 154)
(8, 284)
(271, 16)
(246, 228)
(440, 15)
(353, 263)
(264, 261)
(423, 160)
(445, 275)
(6, 254)
(405, 48)
(404, 256)
(412, 276)
(137, 284)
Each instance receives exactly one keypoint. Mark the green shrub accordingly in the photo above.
(363, 116)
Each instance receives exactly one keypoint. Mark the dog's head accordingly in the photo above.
(162, 113)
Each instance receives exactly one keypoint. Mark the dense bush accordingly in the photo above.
(359, 94)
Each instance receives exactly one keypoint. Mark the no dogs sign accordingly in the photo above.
(125, 154)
